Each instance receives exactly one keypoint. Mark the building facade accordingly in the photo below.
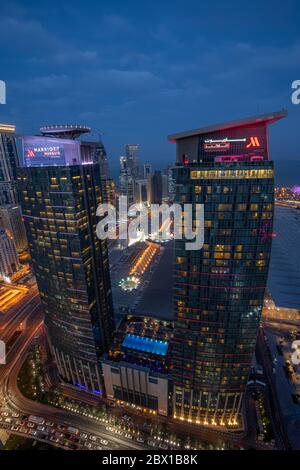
(155, 188)
(136, 385)
(147, 170)
(136, 368)
(141, 194)
(9, 263)
(126, 180)
(11, 220)
(60, 189)
(219, 290)
(109, 191)
(132, 155)
(8, 165)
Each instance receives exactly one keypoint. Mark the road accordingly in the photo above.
(13, 402)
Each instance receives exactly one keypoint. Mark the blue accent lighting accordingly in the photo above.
(148, 345)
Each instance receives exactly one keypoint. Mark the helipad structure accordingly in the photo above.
(68, 131)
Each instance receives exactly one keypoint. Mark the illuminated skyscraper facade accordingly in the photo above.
(8, 165)
(60, 190)
(9, 262)
(11, 220)
(132, 155)
(219, 290)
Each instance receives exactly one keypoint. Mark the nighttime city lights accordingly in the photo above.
(149, 232)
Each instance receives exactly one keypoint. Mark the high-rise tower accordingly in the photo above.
(132, 155)
(219, 290)
(8, 165)
(60, 190)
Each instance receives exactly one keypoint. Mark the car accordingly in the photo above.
(24, 430)
(54, 439)
(15, 415)
(4, 413)
(7, 420)
(104, 442)
(151, 443)
(163, 446)
(126, 418)
(14, 428)
(140, 439)
(88, 445)
(83, 435)
(128, 436)
(61, 427)
(41, 428)
(33, 432)
(93, 438)
(119, 432)
(30, 425)
(49, 423)
(58, 434)
(99, 448)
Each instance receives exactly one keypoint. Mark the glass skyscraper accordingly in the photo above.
(132, 154)
(219, 290)
(8, 165)
(60, 189)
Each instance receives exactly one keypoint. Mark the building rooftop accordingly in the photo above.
(143, 341)
(148, 345)
(68, 131)
(7, 128)
(263, 118)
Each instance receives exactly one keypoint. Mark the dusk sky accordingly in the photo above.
(137, 71)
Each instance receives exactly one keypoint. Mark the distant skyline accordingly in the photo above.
(138, 71)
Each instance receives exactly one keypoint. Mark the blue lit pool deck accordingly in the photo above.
(152, 346)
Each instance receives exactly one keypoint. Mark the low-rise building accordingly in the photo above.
(136, 370)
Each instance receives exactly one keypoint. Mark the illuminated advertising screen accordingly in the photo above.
(45, 151)
(244, 141)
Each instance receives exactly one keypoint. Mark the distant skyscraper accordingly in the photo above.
(126, 180)
(141, 195)
(109, 191)
(132, 155)
(171, 183)
(155, 188)
(147, 170)
(8, 165)
(9, 262)
(219, 290)
(60, 190)
(11, 220)
(99, 155)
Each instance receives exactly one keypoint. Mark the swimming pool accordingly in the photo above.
(140, 343)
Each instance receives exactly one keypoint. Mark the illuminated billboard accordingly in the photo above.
(245, 141)
(45, 151)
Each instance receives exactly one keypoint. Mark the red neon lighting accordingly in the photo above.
(30, 153)
(185, 160)
(254, 142)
